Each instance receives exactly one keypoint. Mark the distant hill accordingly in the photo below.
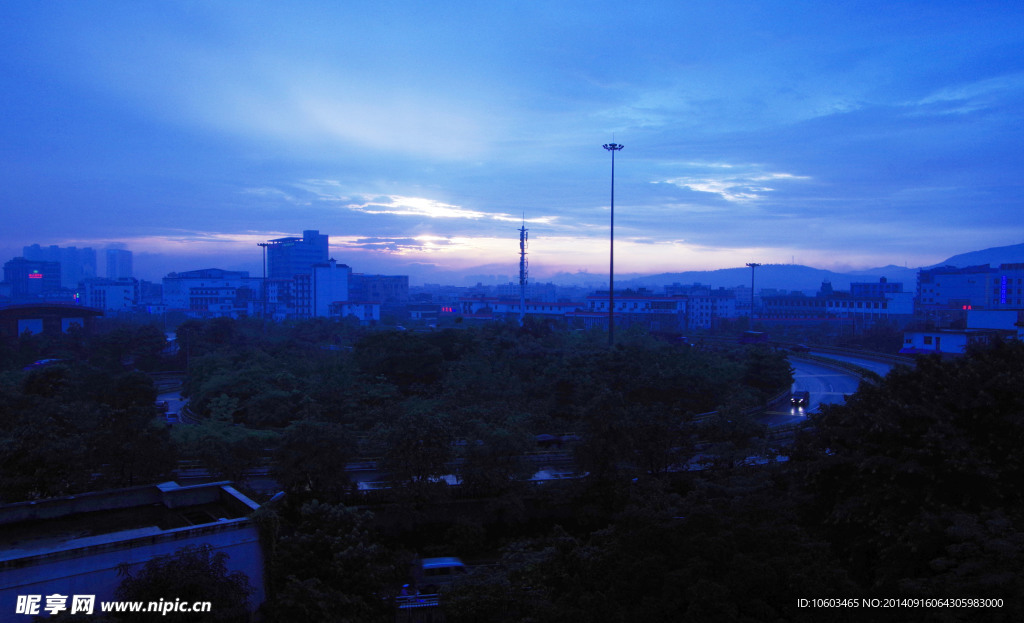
(778, 276)
(995, 256)
(784, 277)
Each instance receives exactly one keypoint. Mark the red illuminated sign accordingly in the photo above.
(35, 275)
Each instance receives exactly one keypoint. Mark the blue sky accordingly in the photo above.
(418, 135)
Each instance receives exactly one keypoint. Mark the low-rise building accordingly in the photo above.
(657, 313)
(211, 292)
(949, 287)
(76, 544)
(864, 304)
(48, 319)
(366, 312)
(113, 295)
(947, 341)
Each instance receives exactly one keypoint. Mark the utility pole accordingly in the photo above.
(612, 147)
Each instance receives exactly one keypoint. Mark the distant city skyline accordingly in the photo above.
(418, 137)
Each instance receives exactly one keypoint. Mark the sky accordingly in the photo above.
(420, 136)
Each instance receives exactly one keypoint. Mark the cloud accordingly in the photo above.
(398, 246)
(432, 208)
(736, 187)
(333, 191)
(972, 96)
(268, 192)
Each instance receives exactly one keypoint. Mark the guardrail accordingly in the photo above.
(860, 371)
(772, 402)
(186, 416)
(860, 353)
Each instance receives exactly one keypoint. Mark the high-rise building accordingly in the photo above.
(30, 279)
(119, 264)
(287, 257)
(76, 264)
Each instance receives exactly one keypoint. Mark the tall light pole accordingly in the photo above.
(752, 266)
(612, 147)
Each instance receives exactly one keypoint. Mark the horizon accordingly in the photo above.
(840, 137)
(492, 274)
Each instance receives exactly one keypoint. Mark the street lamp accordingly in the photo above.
(612, 147)
(752, 266)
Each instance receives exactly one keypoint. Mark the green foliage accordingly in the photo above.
(311, 458)
(417, 446)
(67, 428)
(728, 549)
(224, 448)
(409, 360)
(192, 574)
(880, 337)
(766, 371)
(327, 565)
(493, 459)
(131, 345)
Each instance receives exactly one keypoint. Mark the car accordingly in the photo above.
(800, 399)
(435, 574)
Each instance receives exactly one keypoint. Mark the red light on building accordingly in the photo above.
(35, 275)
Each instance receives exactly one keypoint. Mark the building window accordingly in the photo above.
(928, 340)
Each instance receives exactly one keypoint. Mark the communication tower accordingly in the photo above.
(524, 270)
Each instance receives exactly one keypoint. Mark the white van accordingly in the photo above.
(436, 573)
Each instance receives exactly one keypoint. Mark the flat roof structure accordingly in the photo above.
(75, 544)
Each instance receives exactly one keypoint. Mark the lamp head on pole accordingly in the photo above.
(612, 146)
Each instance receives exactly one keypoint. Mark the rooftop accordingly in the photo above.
(105, 517)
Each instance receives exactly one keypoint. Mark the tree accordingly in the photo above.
(311, 458)
(493, 459)
(407, 360)
(328, 565)
(224, 448)
(195, 573)
(68, 428)
(766, 371)
(417, 446)
(915, 478)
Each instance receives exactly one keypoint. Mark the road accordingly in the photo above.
(827, 386)
(174, 404)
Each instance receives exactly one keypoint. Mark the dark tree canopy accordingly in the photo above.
(916, 480)
(192, 574)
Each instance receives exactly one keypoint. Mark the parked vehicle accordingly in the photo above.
(435, 574)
